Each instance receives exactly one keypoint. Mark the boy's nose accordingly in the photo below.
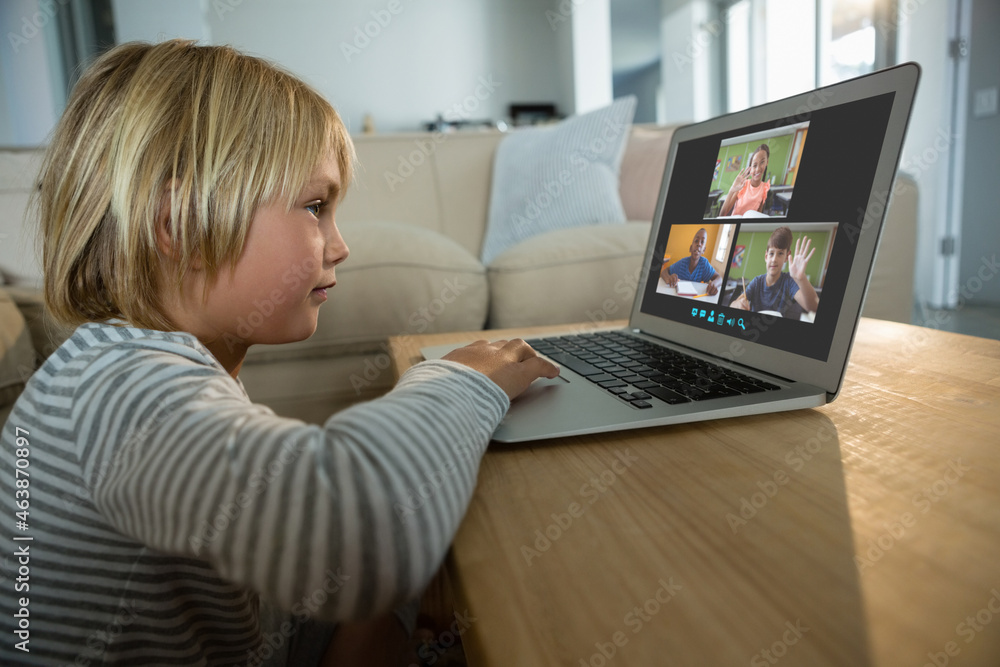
(336, 248)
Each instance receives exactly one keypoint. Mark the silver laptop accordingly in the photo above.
(725, 323)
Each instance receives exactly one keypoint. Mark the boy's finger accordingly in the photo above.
(540, 367)
(520, 348)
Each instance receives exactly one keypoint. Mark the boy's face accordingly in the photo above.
(280, 280)
(758, 165)
(775, 259)
(698, 244)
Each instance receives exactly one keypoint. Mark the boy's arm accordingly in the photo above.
(714, 279)
(357, 514)
(743, 300)
(668, 276)
(806, 296)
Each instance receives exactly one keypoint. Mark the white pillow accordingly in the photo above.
(558, 176)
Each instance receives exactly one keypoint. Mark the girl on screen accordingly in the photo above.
(749, 189)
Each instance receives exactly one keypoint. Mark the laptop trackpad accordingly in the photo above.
(543, 386)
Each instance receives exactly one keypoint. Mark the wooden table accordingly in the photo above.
(866, 532)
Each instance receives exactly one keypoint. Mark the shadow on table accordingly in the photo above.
(748, 515)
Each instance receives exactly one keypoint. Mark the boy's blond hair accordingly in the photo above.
(203, 133)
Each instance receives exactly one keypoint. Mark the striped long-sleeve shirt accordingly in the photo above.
(163, 505)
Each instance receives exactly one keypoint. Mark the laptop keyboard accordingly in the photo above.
(637, 371)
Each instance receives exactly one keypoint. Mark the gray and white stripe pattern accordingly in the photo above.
(165, 506)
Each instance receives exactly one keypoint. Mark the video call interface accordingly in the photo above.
(760, 226)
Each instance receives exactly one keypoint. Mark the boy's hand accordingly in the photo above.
(797, 262)
(666, 276)
(740, 302)
(512, 364)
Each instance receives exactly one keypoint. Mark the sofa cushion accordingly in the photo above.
(17, 355)
(642, 171)
(559, 176)
(588, 274)
(399, 279)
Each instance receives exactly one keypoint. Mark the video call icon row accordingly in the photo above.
(720, 319)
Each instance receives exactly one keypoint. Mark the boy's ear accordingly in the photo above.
(164, 230)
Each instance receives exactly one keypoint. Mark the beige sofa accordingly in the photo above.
(414, 220)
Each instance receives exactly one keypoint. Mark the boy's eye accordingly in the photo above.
(315, 208)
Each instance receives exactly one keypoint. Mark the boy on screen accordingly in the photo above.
(774, 291)
(695, 268)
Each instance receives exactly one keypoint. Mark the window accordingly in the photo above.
(778, 48)
(847, 44)
(722, 250)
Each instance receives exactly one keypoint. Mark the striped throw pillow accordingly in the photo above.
(558, 176)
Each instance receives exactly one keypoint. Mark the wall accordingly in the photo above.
(636, 54)
(401, 61)
(644, 83)
(592, 76)
(980, 243)
(689, 68)
(923, 37)
(154, 20)
(27, 29)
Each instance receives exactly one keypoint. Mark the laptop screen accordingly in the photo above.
(759, 226)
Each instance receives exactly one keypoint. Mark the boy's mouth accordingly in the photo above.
(322, 290)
